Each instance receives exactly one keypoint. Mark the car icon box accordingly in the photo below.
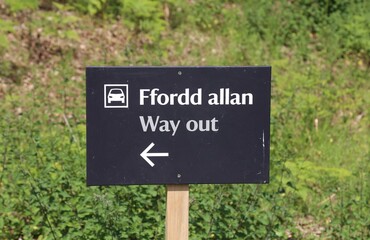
(116, 96)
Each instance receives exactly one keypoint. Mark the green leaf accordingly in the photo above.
(20, 5)
(71, 34)
(4, 43)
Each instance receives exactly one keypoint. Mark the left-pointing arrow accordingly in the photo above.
(146, 154)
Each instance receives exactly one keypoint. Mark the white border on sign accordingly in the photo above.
(115, 85)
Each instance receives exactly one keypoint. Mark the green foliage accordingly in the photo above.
(145, 15)
(20, 5)
(308, 173)
(319, 52)
(357, 32)
(141, 16)
(207, 14)
(5, 27)
(51, 23)
(91, 7)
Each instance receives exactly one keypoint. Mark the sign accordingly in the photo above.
(178, 125)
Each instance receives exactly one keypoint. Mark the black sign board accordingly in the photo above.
(178, 125)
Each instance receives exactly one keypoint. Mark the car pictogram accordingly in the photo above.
(116, 95)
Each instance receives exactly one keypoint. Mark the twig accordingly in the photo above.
(70, 130)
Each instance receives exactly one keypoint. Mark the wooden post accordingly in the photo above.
(177, 212)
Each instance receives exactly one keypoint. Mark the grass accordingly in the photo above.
(319, 122)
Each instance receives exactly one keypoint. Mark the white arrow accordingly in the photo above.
(145, 154)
